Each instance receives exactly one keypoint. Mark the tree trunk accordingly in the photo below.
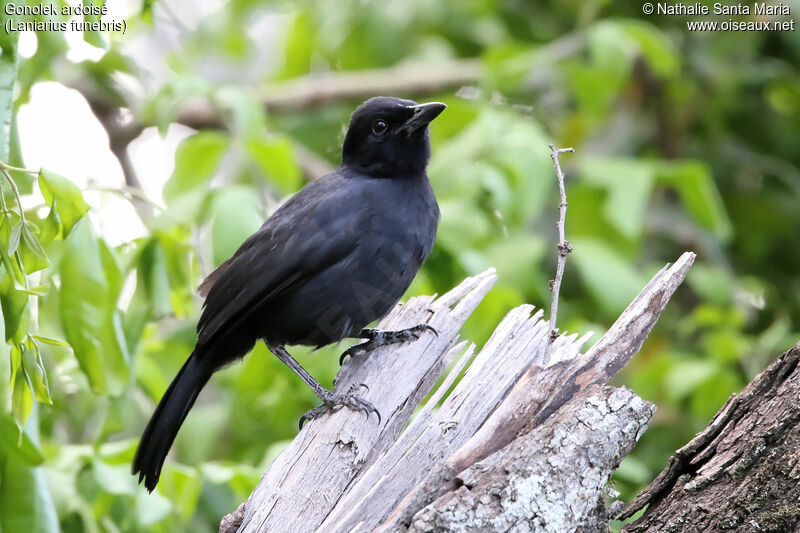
(742, 473)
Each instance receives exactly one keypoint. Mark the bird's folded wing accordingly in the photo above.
(305, 239)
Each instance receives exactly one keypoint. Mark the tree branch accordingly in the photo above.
(319, 89)
(297, 94)
(120, 134)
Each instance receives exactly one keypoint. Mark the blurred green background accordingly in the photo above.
(684, 141)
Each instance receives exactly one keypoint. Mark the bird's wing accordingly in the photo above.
(312, 231)
(212, 278)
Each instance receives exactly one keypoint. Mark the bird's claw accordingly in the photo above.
(425, 327)
(331, 401)
(377, 338)
(350, 352)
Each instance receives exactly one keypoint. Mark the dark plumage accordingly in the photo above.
(335, 257)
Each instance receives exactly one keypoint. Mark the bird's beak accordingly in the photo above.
(423, 115)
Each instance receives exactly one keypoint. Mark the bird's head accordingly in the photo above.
(388, 137)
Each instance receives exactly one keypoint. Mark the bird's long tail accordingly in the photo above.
(167, 419)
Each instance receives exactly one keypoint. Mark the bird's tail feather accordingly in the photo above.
(167, 419)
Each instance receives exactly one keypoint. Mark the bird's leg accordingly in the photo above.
(329, 399)
(377, 338)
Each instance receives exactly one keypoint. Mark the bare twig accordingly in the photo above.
(563, 245)
(134, 195)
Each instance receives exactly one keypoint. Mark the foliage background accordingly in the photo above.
(684, 141)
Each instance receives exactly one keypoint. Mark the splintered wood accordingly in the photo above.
(477, 452)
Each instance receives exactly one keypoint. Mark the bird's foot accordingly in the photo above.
(331, 401)
(377, 338)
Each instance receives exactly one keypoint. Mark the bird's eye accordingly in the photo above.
(379, 127)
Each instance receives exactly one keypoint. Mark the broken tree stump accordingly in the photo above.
(475, 455)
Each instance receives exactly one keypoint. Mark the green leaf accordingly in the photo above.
(246, 109)
(10, 234)
(66, 202)
(455, 235)
(23, 180)
(112, 272)
(299, 48)
(519, 164)
(18, 445)
(517, 258)
(196, 161)
(608, 275)
(25, 501)
(713, 283)
(508, 65)
(22, 398)
(152, 295)
(114, 479)
(14, 302)
(693, 182)
(51, 341)
(236, 217)
(178, 256)
(41, 290)
(34, 366)
(595, 87)
(151, 508)
(95, 38)
(275, 159)
(610, 48)
(629, 184)
(33, 255)
(715, 391)
(90, 284)
(180, 485)
(687, 375)
(655, 46)
(634, 470)
(14, 236)
(15, 355)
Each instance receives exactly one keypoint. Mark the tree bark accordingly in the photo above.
(550, 479)
(520, 443)
(742, 473)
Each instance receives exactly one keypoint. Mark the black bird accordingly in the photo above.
(336, 256)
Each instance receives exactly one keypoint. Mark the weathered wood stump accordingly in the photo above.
(508, 441)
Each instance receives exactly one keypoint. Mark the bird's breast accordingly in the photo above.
(393, 228)
(395, 238)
